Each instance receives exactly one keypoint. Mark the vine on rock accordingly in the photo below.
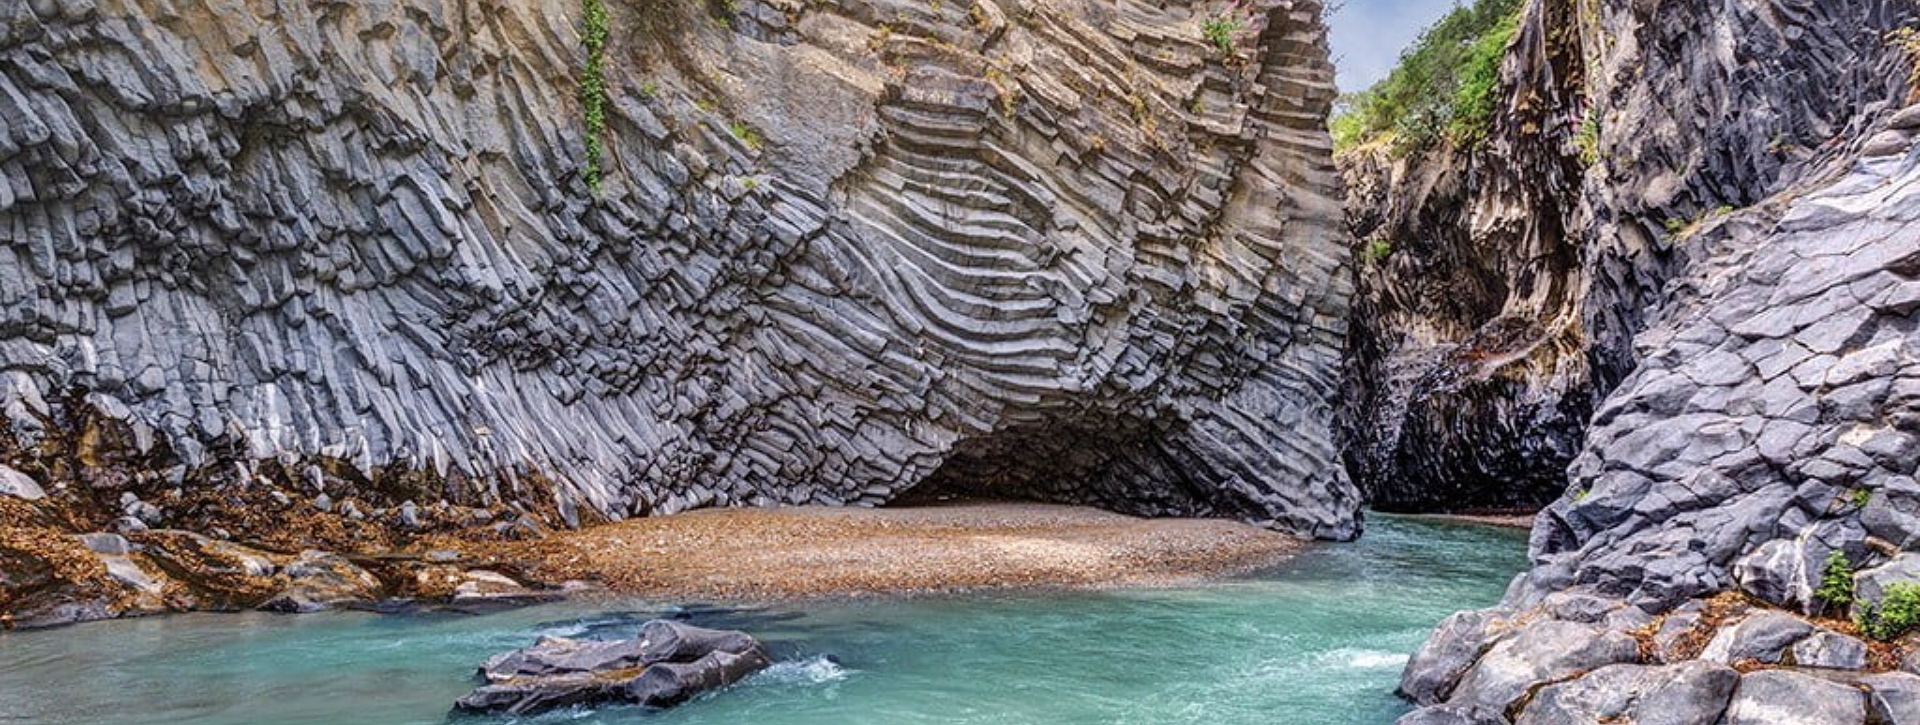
(593, 87)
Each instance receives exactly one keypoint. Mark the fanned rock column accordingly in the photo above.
(1059, 249)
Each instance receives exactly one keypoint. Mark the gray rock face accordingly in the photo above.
(1758, 235)
(19, 485)
(1522, 268)
(1762, 637)
(1454, 646)
(667, 664)
(1830, 650)
(834, 257)
(1893, 698)
(1540, 653)
(1780, 697)
(1692, 693)
(1870, 585)
(1449, 715)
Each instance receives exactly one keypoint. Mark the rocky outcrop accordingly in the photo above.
(1758, 439)
(1520, 269)
(666, 665)
(1054, 249)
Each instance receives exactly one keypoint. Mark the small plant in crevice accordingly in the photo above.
(1223, 28)
(1586, 138)
(1897, 612)
(593, 87)
(747, 134)
(1859, 497)
(1836, 580)
(1907, 41)
(1377, 251)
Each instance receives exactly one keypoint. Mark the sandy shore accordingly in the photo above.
(756, 554)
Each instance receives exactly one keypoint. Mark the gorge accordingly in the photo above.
(312, 305)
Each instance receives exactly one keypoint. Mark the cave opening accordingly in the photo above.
(1111, 463)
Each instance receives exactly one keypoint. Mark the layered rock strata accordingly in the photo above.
(1062, 249)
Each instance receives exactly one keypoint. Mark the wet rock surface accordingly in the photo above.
(840, 250)
(667, 664)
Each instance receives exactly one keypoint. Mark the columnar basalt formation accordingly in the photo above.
(1769, 419)
(1066, 249)
(1522, 267)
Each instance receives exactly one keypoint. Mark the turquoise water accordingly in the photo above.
(1319, 641)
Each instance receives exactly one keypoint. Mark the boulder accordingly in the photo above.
(318, 581)
(1690, 693)
(1893, 698)
(19, 485)
(1450, 715)
(1830, 650)
(489, 588)
(1543, 652)
(1782, 697)
(667, 664)
(1870, 585)
(1432, 672)
(1762, 636)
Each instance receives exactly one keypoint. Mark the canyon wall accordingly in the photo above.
(1759, 436)
(1522, 266)
(1061, 249)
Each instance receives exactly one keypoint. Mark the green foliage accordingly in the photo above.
(1479, 94)
(1907, 41)
(1859, 497)
(747, 134)
(593, 87)
(1377, 251)
(1221, 29)
(1447, 85)
(1897, 612)
(1836, 581)
(1587, 138)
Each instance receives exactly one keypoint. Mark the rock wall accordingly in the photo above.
(1065, 249)
(1522, 268)
(1770, 418)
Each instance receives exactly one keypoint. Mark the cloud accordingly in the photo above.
(1368, 36)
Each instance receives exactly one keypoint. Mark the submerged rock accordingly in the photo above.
(667, 664)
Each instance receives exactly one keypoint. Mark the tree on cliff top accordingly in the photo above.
(1445, 87)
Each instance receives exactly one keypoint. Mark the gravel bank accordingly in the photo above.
(754, 554)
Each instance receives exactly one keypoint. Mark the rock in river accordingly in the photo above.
(666, 665)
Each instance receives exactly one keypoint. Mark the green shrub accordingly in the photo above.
(1221, 29)
(1378, 250)
(593, 86)
(1897, 612)
(747, 134)
(1907, 41)
(1587, 138)
(1479, 95)
(1447, 84)
(1836, 581)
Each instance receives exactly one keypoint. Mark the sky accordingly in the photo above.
(1368, 36)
